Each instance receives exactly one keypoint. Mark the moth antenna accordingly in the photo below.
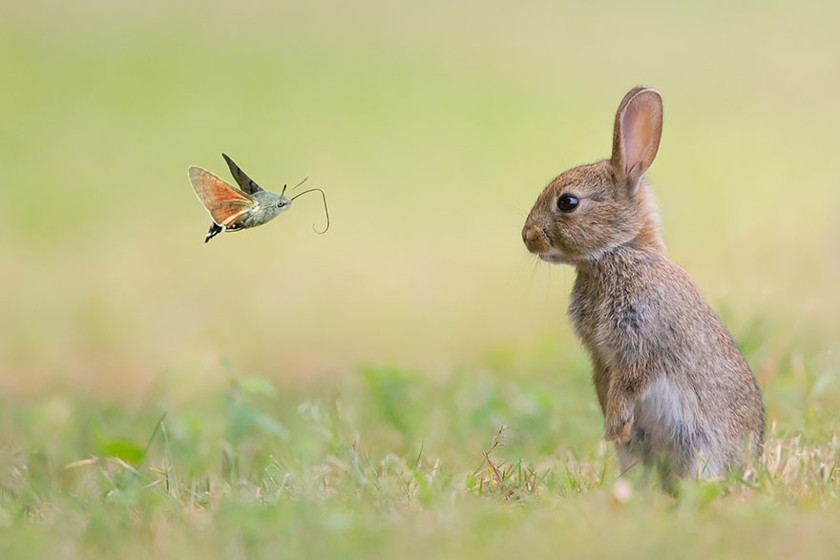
(284, 190)
(326, 211)
(299, 184)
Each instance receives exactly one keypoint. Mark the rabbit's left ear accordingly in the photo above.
(638, 130)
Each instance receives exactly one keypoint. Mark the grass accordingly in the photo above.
(476, 463)
(278, 393)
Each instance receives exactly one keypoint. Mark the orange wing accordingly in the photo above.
(223, 201)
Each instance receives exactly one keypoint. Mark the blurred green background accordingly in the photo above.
(432, 126)
(331, 395)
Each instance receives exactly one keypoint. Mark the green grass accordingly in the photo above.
(333, 395)
(393, 461)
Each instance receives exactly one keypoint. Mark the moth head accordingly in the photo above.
(283, 202)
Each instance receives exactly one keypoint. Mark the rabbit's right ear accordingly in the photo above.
(637, 132)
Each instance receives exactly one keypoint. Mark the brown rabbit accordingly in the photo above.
(673, 387)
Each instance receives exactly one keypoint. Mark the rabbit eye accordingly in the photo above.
(567, 203)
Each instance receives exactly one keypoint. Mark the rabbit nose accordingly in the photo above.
(535, 239)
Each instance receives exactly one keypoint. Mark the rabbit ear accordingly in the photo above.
(638, 129)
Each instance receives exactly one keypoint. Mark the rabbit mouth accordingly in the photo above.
(538, 242)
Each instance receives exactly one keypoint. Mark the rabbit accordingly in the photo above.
(674, 389)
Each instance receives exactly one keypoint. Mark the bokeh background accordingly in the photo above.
(281, 392)
(432, 127)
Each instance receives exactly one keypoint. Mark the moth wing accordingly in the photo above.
(246, 183)
(224, 202)
(228, 213)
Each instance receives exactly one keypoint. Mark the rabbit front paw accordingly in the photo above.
(618, 426)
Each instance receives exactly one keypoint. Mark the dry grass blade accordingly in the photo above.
(81, 463)
(123, 464)
(492, 470)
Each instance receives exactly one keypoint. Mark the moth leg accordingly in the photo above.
(215, 229)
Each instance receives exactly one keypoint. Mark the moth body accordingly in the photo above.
(267, 206)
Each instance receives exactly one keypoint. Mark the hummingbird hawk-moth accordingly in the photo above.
(232, 209)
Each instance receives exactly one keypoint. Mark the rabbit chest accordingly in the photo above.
(631, 327)
(621, 315)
